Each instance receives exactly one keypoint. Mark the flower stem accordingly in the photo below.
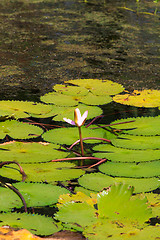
(81, 143)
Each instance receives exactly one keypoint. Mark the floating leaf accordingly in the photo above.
(153, 202)
(70, 135)
(91, 99)
(146, 98)
(125, 155)
(81, 214)
(98, 181)
(116, 204)
(9, 199)
(43, 172)
(114, 230)
(98, 87)
(30, 152)
(137, 142)
(134, 170)
(70, 90)
(37, 224)
(62, 112)
(38, 194)
(148, 126)
(22, 109)
(19, 130)
(60, 99)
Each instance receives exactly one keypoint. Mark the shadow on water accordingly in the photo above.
(46, 42)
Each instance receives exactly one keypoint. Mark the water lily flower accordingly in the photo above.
(78, 119)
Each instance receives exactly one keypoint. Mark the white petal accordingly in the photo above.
(69, 121)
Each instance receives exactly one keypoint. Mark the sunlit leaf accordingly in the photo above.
(145, 98)
(98, 86)
(70, 90)
(91, 99)
(78, 213)
(116, 204)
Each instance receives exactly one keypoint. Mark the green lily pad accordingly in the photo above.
(98, 86)
(60, 99)
(81, 214)
(19, 130)
(153, 202)
(70, 90)
(62, 112)
(98, 181)
(9, 199)
(104, 229)
(125, 155)
(137, 142)
(70, 135)
(148, 126)
(43, 172)
(30, 152)
(38, 194)
(22, 109)
(134, 170)
(36, 224)
(115, 203)
(91, 99)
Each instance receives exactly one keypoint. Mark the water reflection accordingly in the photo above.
(49, 41)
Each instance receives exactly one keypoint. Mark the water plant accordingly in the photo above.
(78, 121)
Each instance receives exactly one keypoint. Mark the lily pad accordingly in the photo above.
(148, 126)
(22, 109)
(19, 130)
(70, 90)
(147, 98)
(62, 112)
(137, 142)
(125, 155)
(38, 194)
(98, 86)
(91, 99)
(115, 203)
(43, 172)
(153, 202)
(134, 170)
(37, 224)
(70, 135)
(104, 229)
(80, 214)
(60, 99)
(9, 199)
(30, 152)
(98, 181)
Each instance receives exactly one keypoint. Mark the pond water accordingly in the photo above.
(47, 42)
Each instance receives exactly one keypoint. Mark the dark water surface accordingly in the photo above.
(46, 42)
